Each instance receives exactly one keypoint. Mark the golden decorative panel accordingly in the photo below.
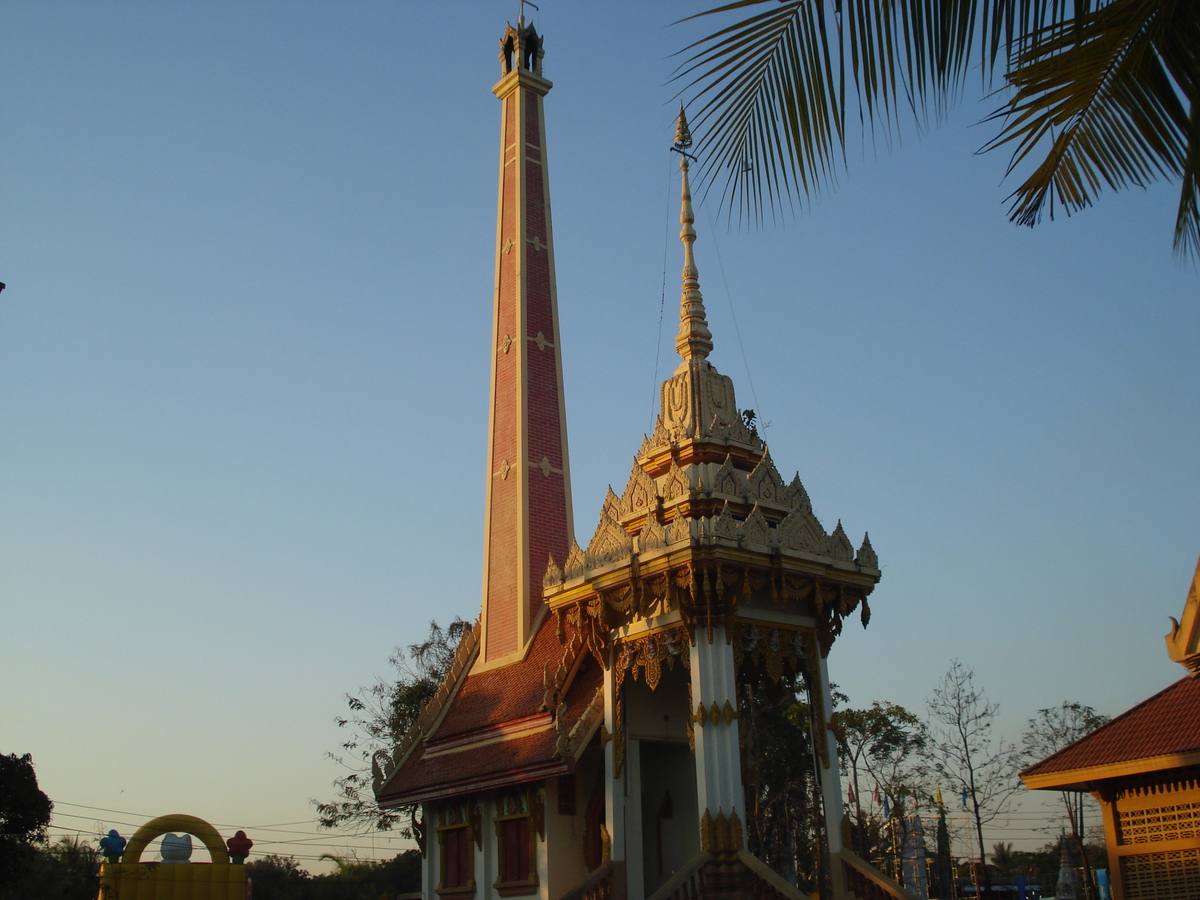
(1159, 823)
(1162, 876)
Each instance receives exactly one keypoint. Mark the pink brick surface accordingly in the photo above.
(543, 529)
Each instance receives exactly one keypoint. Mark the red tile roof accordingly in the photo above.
(502, 695)
(1166, 724)
(509, 762)
(482, 707)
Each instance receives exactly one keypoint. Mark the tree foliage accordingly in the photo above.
(878, 747)
(379, 715)
(1045, 734)
(277, 877)
(65, 870)
(282, 878)
(784, 814)
(1106, 92)
(1004, 862)
(965, 754)
(24, 815)
(1053, 729)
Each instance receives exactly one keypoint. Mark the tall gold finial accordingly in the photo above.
(694, 340)
(683, 135)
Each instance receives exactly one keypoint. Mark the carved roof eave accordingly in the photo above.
(655, 562)
(662, 558)
(689, 451)
(434, 710)
(1089, 778)
(503, 780)
(706, 503)
(1183, 643)
(573, 741)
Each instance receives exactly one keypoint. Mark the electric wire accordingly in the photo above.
(363, 847)
(1016, 827)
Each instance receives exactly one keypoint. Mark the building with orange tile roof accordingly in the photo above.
(1144, 769)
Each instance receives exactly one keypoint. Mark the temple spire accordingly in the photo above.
(528, 512)
(694, 340)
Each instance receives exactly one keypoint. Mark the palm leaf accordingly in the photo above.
(772, 87)
(1108, 93)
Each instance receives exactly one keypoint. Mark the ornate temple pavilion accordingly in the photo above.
(586, 741)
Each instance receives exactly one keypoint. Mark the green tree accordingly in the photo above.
(1004, 859)
(379, 716)
(784, 820)
(965, 755)
(279, 878)
(1105, 92)
(369, 880)
(1045, 734)
(282, 878)
(65, 870)
(1040, 866)
(24, 815)
(883, 744)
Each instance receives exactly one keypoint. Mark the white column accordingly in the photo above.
(614, 788)
(635, 856)
(831, 791)
(831, 781)
(718, 758)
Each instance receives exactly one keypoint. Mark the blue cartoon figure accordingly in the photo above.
(112, 846)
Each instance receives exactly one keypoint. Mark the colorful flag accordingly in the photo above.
(939, 796)
(875, 799)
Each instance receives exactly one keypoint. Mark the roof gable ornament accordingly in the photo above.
(1183, 643)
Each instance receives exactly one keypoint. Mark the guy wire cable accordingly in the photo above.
(662, 300)
(737, 331)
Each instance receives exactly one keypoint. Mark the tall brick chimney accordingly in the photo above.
(528, 515)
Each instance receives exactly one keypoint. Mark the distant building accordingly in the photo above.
(586, 741)
(1144, 768)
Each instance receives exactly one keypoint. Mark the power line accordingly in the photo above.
(354, 843)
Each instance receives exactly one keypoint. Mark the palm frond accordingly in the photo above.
(1187, 220)
(772, 88)
(1108, 93)
(770, 114)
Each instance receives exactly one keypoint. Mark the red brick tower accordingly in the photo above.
(528, 514)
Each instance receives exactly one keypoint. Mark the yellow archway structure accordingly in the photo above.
(132, 879)
(178, 822)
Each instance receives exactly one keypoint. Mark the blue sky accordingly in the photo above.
(244, 366)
